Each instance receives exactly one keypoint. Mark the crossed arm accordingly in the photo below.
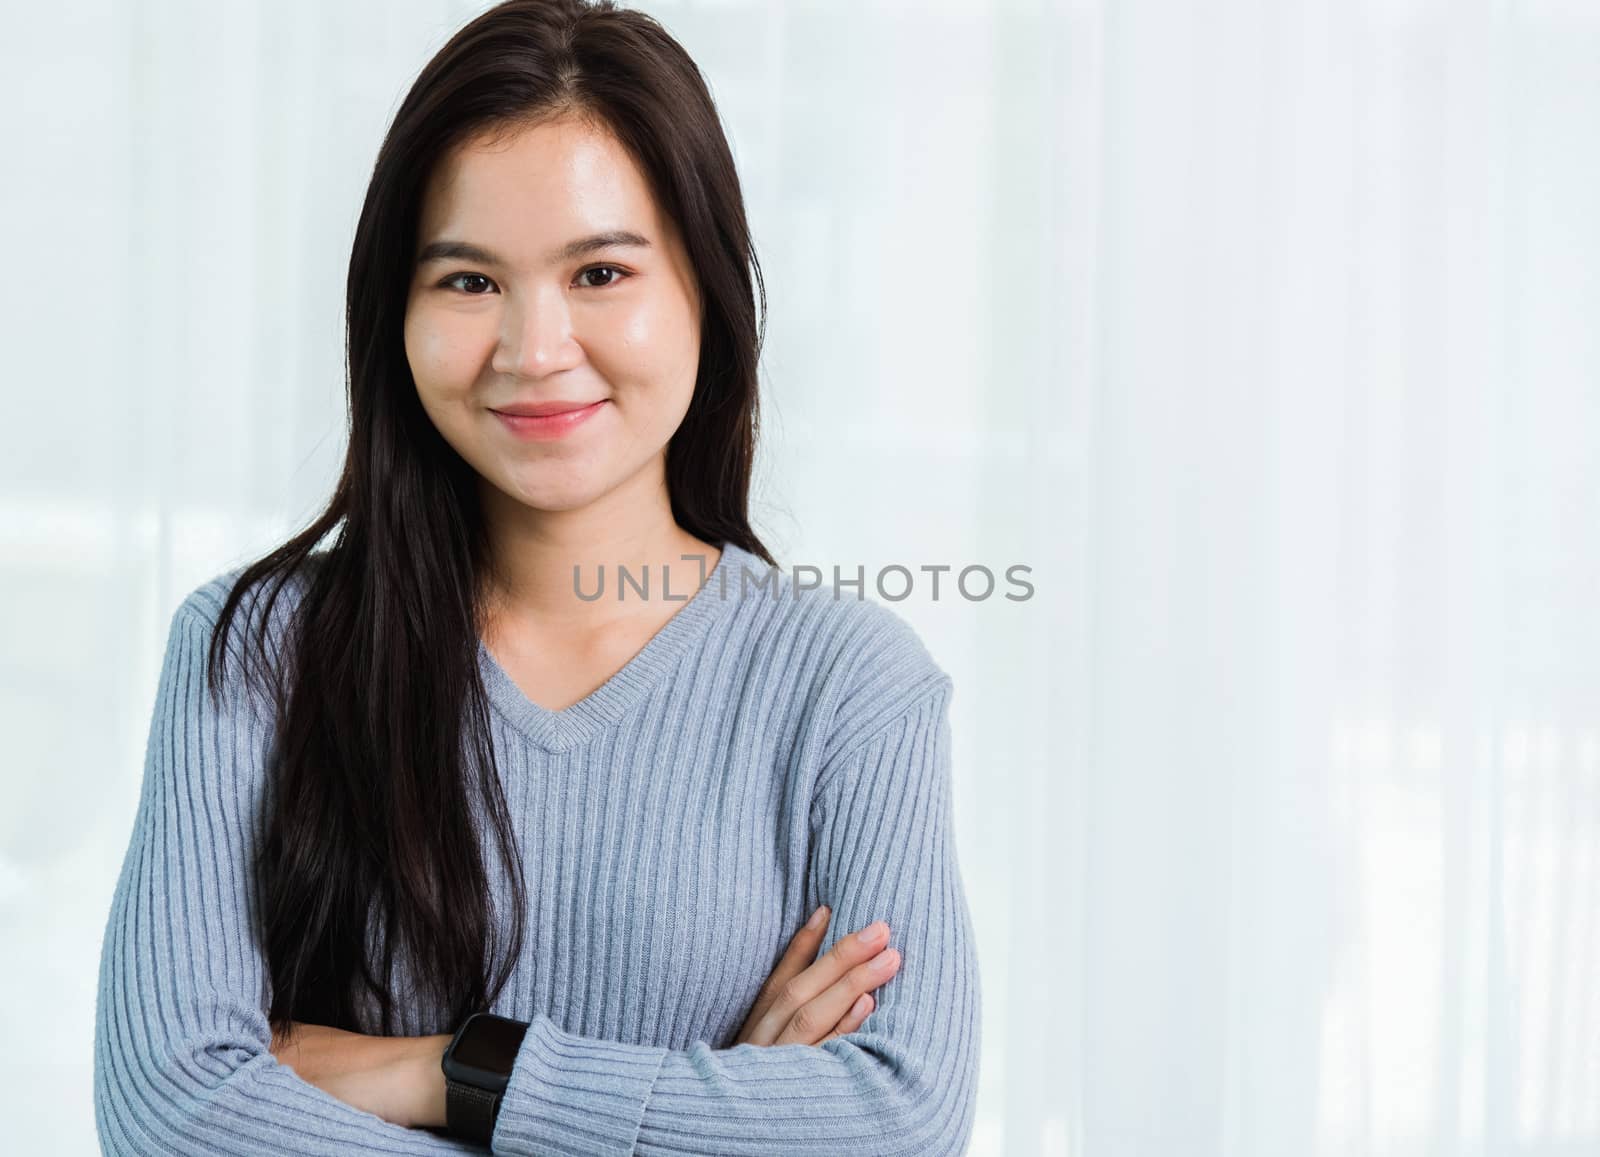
(184, 1059)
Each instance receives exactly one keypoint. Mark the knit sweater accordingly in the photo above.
(771, 748)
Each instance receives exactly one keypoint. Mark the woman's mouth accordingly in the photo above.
(550, 426)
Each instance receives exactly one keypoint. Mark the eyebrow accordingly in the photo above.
(466, 251)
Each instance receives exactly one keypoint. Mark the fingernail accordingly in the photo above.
(817, 917)
(875, 933)
(885, 960)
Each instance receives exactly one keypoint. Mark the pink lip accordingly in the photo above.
(550, 426)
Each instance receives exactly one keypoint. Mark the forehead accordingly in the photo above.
(523, 191)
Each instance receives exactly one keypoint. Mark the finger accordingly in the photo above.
(801, 952)
(816, 978)
(775, 1021)
(812, 981)
(826, 1008)
(859, 1011)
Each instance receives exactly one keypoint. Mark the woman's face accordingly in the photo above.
(508, 319)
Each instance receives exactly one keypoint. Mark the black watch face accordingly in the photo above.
(486, 1051)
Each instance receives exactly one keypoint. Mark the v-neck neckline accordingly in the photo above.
(565, 729)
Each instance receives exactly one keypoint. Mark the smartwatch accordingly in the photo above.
(477, 1068)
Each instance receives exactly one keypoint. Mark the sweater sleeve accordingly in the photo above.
(182, 1053)
(903, 1083)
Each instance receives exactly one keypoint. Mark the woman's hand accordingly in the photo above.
(807, 1003)
(397, 1078)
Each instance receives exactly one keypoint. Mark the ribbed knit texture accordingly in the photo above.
(769, 750)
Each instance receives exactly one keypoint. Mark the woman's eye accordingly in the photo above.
(600, 269)
(450, 281)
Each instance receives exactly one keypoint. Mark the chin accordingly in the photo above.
(555, 499)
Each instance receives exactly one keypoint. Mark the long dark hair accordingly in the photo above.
(368, 820)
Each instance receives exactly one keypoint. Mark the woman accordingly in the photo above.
(552, 363)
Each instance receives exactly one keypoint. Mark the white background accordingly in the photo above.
(1266, 333)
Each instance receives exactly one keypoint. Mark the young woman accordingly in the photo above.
(434, 776)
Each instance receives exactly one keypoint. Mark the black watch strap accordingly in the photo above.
(470, 1112)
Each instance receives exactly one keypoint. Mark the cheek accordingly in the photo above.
(442, 361)
(657, 345)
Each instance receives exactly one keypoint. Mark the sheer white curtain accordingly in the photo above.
(1263, 332)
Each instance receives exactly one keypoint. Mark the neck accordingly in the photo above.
(535, 552)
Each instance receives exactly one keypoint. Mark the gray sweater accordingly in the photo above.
(769, 750)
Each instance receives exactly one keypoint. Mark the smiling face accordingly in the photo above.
(528, 291)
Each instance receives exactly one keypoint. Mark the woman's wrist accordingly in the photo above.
(398, 1078)
(426, 1077)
